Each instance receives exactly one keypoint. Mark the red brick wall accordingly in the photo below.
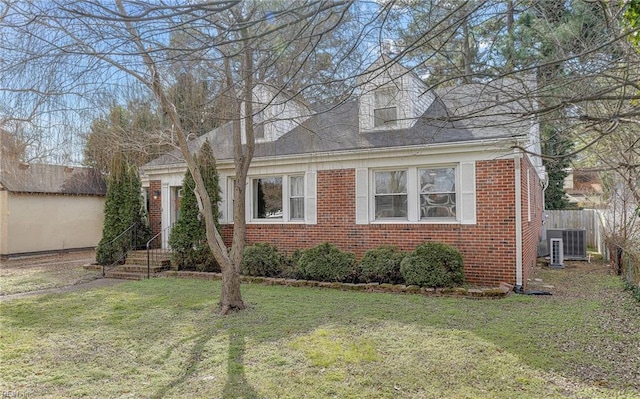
(488, 247)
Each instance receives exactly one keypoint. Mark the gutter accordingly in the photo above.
(496, 144)
(518, 192)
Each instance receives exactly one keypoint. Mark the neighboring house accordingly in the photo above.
(48, 208)
(401, 165)
(584, 188)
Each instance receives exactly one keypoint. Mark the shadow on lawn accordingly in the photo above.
(237, 385)
(190, 367)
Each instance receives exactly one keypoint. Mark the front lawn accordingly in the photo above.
(162, 338)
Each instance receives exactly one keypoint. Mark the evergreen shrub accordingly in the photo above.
(290, 268)
(123, 207)
(382, 265)
(262, 259)
(188, 238)
(433, 264)
(325, 262)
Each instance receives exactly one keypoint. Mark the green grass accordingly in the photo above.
(17, 280)
(162, 338)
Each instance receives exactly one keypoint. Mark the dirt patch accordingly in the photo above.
(37, 273)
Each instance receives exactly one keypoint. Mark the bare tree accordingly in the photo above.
(134, 44)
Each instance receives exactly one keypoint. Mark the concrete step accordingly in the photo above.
(139, 268)
(125, 275)
(140, 258)
(134, 272)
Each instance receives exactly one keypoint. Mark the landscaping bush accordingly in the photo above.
(433, 265)
(188, 238)
(262, 259)
(290, 267)
(325, 262)
(382, 265)
(123, 207)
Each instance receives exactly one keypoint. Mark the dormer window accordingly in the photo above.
(385, 112)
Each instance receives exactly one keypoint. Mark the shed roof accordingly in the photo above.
(51, 179)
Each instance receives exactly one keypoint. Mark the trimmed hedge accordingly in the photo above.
(325, 262)
(434, 265)
(262, 259)
(290, 268)
(382, 265)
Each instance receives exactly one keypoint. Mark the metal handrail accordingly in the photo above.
(135, 224)
(148, 245)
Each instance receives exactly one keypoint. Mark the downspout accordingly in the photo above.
(518, 189)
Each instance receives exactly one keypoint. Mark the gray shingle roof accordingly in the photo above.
(461, 114)
(51, 179)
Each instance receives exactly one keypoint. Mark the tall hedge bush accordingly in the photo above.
(188, 238)
(123, 207)
(325, 262)
(434, 265)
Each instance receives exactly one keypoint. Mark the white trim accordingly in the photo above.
(310, 197)
(413, 195)
(165, 199)
(518, 192)
(350, 159)
(467, 193)
(310, 211)
(362, 196)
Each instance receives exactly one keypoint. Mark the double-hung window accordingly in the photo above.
(278, 198)
(437, 193)
(296, 197)
(385, 111)
(390, 194)
(415, 194)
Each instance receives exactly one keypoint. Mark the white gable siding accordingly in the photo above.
(412, 101)
(280, 115)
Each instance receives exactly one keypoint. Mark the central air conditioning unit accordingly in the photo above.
(556, 253)
(574, 243)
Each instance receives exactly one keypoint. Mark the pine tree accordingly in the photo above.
(188, 238)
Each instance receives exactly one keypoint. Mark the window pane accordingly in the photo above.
(391, 206)
(296, 186)
(297, 208)
(391, 182)
(438, 205)
(267, 193)
(391, 194)
(385, 116)
(441, 180)
(438, 193)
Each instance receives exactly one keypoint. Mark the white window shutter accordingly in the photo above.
(310, 198)
(222, 205)
(362, 196)
(467, 193)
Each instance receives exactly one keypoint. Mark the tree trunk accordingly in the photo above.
(231, 299)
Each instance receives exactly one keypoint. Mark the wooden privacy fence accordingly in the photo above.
(586, 219)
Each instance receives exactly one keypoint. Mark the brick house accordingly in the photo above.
(399, 165)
